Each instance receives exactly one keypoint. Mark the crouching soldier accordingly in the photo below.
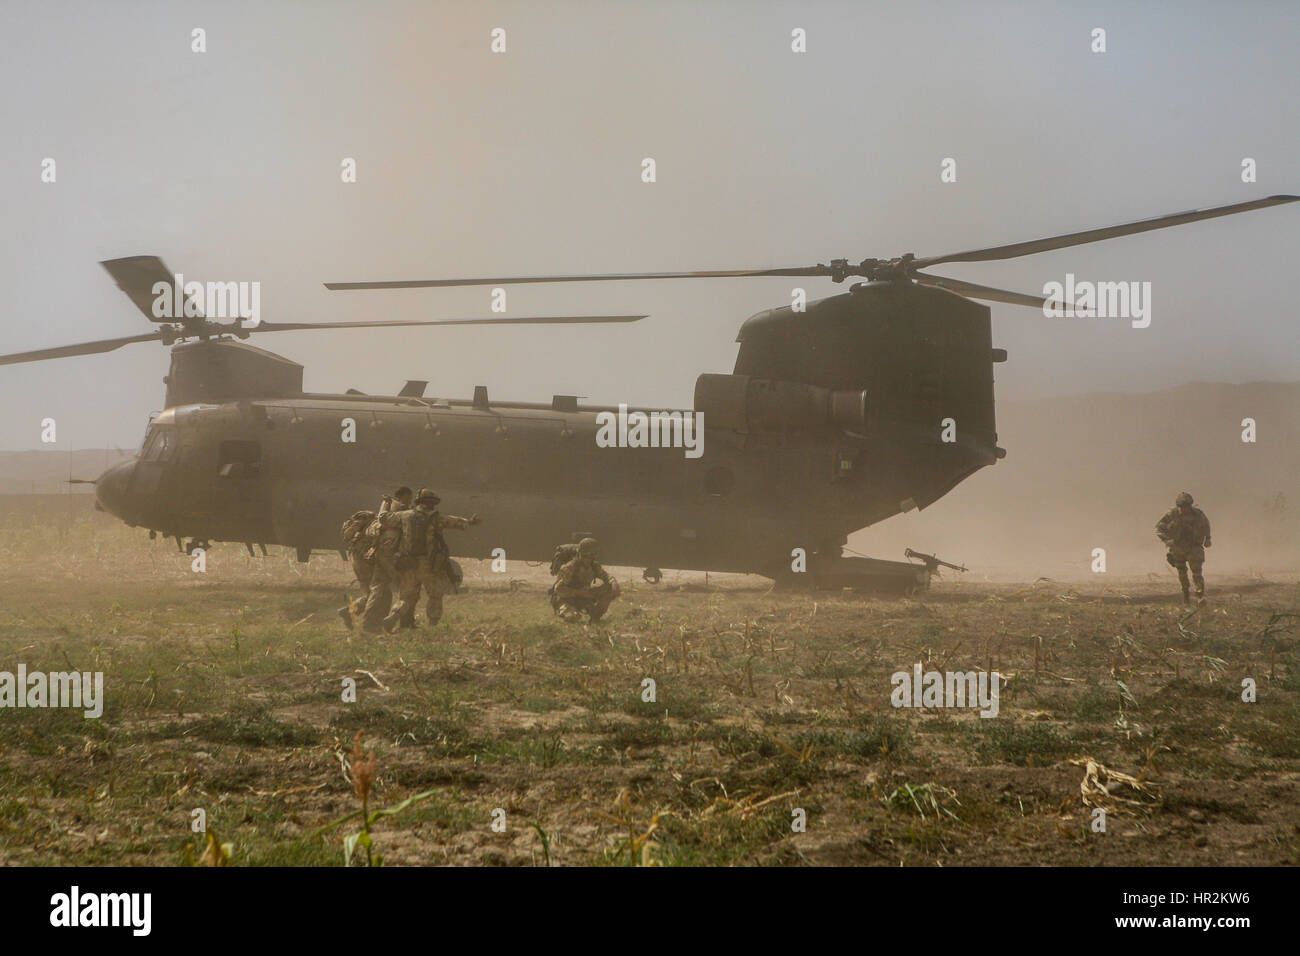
(581, 585)
(424, 561)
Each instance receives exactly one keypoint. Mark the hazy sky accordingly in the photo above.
(226, 164)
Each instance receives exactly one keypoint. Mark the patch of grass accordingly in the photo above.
(537, 704)
(1277, 739)
(251, 726)
(43, 731)
(720, 840)
(304, 851)
(651, 732)
(404, 728)
(1037, 743)
(739, 741)
(1095, 703)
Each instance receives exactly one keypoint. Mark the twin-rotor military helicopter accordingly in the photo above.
(829, 422)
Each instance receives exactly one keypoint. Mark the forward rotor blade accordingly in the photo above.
(82, 348)
(608, 277)
(535, 320)
(975, 291)
(137, 275)
(1017, 249)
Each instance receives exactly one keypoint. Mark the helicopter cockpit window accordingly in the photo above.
(160, 446)
(239, 459)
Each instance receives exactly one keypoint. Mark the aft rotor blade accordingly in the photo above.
(82, 348)
(1017, 249)
(973, 290)
(534, 320)
(818, 270)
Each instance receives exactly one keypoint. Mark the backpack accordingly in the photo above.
(415, 523)
(355, 527)
(564, 553)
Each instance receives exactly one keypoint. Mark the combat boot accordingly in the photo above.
(1187, 595)
(345, 615)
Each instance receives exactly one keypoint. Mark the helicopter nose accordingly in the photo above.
(111, 489)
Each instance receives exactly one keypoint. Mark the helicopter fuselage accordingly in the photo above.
(864, 414)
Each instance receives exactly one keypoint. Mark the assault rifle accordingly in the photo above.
(932, 564)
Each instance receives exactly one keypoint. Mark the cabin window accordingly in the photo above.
(239, 459)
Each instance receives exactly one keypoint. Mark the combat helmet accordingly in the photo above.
(1184, 500)
(588, 548)
(427, 496)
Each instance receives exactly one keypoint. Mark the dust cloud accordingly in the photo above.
(1098, 470)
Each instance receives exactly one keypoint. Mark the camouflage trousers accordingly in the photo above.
(384, 580)
(572, 604)
(1179, 559)
(363, 570)
(425, 576)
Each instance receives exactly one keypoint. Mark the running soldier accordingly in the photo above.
(386, 533)
(424, 561)
(358, 544)
(575, 592)
(1186, 533)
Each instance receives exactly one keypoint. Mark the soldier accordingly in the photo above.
(574, 594)
(1186, 532)
(424, 561)
(385, 531)
(355, 545)
(358, 542)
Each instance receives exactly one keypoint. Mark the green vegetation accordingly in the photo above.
(224, 692)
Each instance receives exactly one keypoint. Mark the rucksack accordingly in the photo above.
(355, 527)
(564, 553)
(416, 523)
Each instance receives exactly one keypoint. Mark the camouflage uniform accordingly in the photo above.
(364, 571)
(386, 532)
(1186, 532)
(424, 561)
(572, 594)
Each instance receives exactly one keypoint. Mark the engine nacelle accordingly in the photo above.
(744, 404)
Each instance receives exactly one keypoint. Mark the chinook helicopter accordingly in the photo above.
(866, 404)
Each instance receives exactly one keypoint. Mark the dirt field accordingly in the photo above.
(224, 693)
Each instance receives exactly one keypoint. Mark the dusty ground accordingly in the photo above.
(224, 694)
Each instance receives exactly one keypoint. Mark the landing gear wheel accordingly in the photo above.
(652, 575)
